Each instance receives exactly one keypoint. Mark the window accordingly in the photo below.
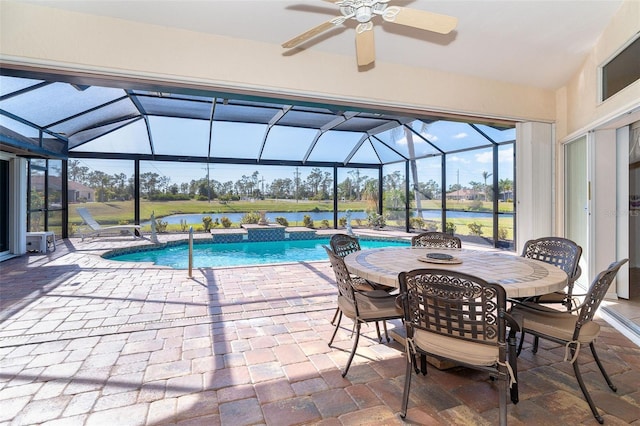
(622, 70)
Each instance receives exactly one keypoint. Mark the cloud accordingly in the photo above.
(430, 137)
(505, 155)
(484, 157)
(456, 159)
(460, 135)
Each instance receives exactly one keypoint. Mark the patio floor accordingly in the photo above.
(88, 341)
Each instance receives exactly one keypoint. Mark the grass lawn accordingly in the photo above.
(118, 212)
(115, 212)
(466, 205)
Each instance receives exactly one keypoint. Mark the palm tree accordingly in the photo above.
(485, 176)
(505, 186)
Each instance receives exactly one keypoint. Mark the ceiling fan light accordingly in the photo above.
(363, 14)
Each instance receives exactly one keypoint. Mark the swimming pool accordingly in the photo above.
(243, 254)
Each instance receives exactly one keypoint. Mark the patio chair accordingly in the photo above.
(97, 229)
(436, 240)
(461, 318)
(572, 331)
(360, 307)
(563, 253)
(343, 245)
(560, 252)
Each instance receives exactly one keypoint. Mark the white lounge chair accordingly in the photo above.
(96, 229)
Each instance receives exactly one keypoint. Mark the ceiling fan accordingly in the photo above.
(363, 11)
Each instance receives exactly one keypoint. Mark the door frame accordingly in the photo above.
(623, 212)
(585, 264)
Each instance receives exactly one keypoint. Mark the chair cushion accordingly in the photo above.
(557, 297)
(466, 351)
(360, 284)
(370, 308)
(554, 323)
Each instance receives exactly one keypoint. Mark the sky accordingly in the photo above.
(190, 137)
(461, 167)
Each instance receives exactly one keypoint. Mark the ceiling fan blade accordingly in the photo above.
(365, 47)
(317, 30)
(421, 19)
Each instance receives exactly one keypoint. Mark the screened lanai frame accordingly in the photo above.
(90, 111)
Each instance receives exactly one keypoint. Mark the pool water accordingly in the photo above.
(243, 254)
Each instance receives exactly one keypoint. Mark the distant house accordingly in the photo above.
(506, 195)
(76, 192)
(461, 194)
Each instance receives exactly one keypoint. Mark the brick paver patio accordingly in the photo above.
(88, 341)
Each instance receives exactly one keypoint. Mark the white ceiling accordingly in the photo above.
(537, 43)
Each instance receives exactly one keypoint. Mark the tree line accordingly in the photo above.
(317, 185)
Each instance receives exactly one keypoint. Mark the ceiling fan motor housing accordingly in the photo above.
(363, 14)
(362, 11)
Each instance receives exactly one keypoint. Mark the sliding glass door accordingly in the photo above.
(576, 195)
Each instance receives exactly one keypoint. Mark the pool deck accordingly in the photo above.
(89, 341)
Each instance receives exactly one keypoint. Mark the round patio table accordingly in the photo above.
(519, 276)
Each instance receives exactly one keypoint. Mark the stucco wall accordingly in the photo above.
(46, 37)
(578, 106)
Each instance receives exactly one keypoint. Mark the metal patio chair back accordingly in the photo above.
(435, 239)
(457, 317)
(343, 244)
(563, 253)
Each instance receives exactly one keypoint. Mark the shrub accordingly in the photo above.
(226, 222)
(503, 233)
(307, 221)
(476, 205)
(202, 198)
(395, 215)
(251, 217)
(475, 228)
(282, 221)
(451, 228)
(161, 196)
(206, 221)
(342, 221)
(376, 220)
(431, 225)
(161, 226)
(416, 222)
(184, 226)
(324, 223)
